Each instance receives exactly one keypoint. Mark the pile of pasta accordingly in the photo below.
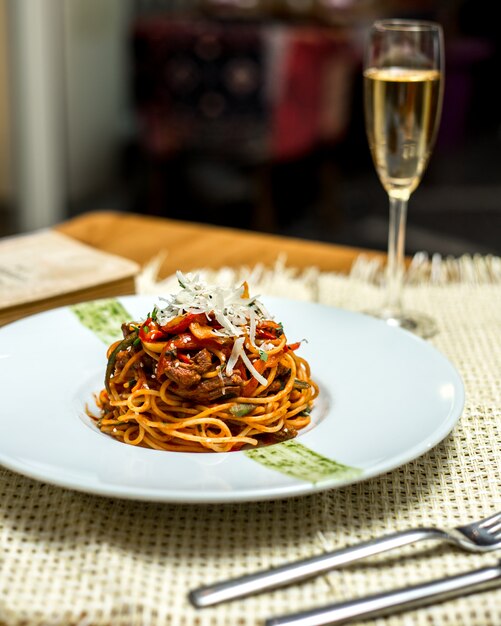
(207, 371)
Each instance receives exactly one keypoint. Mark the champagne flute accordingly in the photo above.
(403, 88)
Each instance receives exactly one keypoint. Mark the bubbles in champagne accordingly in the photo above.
(402, 110)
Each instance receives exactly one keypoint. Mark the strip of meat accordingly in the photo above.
(202, 361)
(185, 376)
(212, 389)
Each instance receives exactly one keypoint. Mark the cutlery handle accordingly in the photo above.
(394, 601)
(301, 570)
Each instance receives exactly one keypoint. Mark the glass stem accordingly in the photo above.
(396, 254)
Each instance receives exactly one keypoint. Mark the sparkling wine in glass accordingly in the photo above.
(403, 87)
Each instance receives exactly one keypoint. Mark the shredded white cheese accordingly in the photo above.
(261, 379)
(234, 313)
(237, 316)
(239, 351)
(235, 353)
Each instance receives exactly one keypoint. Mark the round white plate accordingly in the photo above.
(386, 398)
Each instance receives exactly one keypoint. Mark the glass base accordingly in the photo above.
(416, 323)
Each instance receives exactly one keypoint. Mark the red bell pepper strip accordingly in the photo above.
(180, 323)
(151, 331)
(261, 333)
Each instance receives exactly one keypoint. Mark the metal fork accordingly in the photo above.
(481, 536)
(396, 600)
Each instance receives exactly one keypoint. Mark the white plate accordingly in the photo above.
(386, 398)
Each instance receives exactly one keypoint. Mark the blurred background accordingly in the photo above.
(244, 113)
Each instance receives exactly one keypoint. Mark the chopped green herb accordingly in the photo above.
(154, 314)
(240, 410)
(263, 355)
(301, 384)
(146, 329)
(137, 341)
(123, 345)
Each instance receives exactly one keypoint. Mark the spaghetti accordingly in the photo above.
(210, 371)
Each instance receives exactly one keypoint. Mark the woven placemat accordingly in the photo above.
(73, 559)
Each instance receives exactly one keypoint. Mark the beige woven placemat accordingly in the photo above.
(73, 559)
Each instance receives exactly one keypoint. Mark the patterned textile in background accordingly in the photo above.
(68, 558)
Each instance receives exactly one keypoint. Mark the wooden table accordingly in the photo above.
(188, 246)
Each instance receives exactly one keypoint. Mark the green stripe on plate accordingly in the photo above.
(297, 460)
(102, 317)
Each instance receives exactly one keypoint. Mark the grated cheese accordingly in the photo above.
(235, 353)
(234, 313)
(237, 316)
(261, 379)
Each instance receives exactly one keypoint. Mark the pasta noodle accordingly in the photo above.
(210, 371)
